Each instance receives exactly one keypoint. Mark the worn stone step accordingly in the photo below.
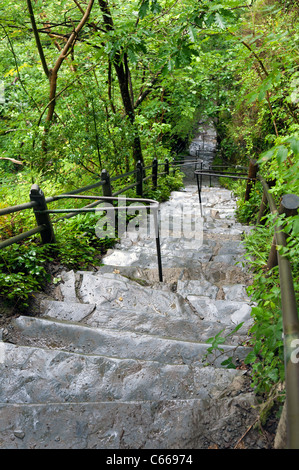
(172, 424)
(213, 273)
(36, 375)
(226, 311)
(114, 291)
(174, 253)
(204, 288)
(77, 338)
(118, 360)
(192, 329)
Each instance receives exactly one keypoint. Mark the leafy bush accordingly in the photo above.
(267, 357)
(23, 271)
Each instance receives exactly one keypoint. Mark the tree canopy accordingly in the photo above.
(110, 83)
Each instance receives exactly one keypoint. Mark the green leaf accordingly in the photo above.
(236, 328)
(295, 228)
(210, 19)
(132, 56)
(282, 153)
(170, 65)
(143, 9)
(251, 357)
(295, 145)
(220, 21)
(155, 7)
(266, 156)
(191, 34)
(251, 97)
(273, 375)
(228, 363)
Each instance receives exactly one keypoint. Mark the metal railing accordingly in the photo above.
(289, 206)
(39, 203)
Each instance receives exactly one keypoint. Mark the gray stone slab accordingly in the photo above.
(114, 291)
(235, 247)
(68, 286)
(118, 344)
(33, 375)
(172, 424)
(194, 287)
(165, 326)
(236, 292)
(227, 312)
(67, 311)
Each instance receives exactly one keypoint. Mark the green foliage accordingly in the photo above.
(165, 187)
(23, 271)
(267, 358)
(78, 247)
(216, 341)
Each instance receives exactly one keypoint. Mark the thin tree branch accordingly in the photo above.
(62, 91)
(37, 39)
(146, 92)
(73, 37)
(252, 52)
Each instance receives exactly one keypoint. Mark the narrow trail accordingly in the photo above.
(116, 359)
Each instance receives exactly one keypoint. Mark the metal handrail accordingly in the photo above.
(22, 236)
(44, 225)
(151, 204)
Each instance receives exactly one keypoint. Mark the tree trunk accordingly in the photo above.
(122, 73)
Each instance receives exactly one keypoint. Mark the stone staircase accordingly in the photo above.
(116, 359)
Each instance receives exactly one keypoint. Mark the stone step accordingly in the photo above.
(214, 273)
(109, 300)
(119, 359)
(171, 424)
(173, 327)
(204, 288)
(36, 375)
(174, 253)
(114, 291)
(71, 337)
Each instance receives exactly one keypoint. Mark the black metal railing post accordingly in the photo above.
(105, 177)
(252, 173)
(139, 179)
(155, 173)
(36, 195)
(158, 244)
(166, 166)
